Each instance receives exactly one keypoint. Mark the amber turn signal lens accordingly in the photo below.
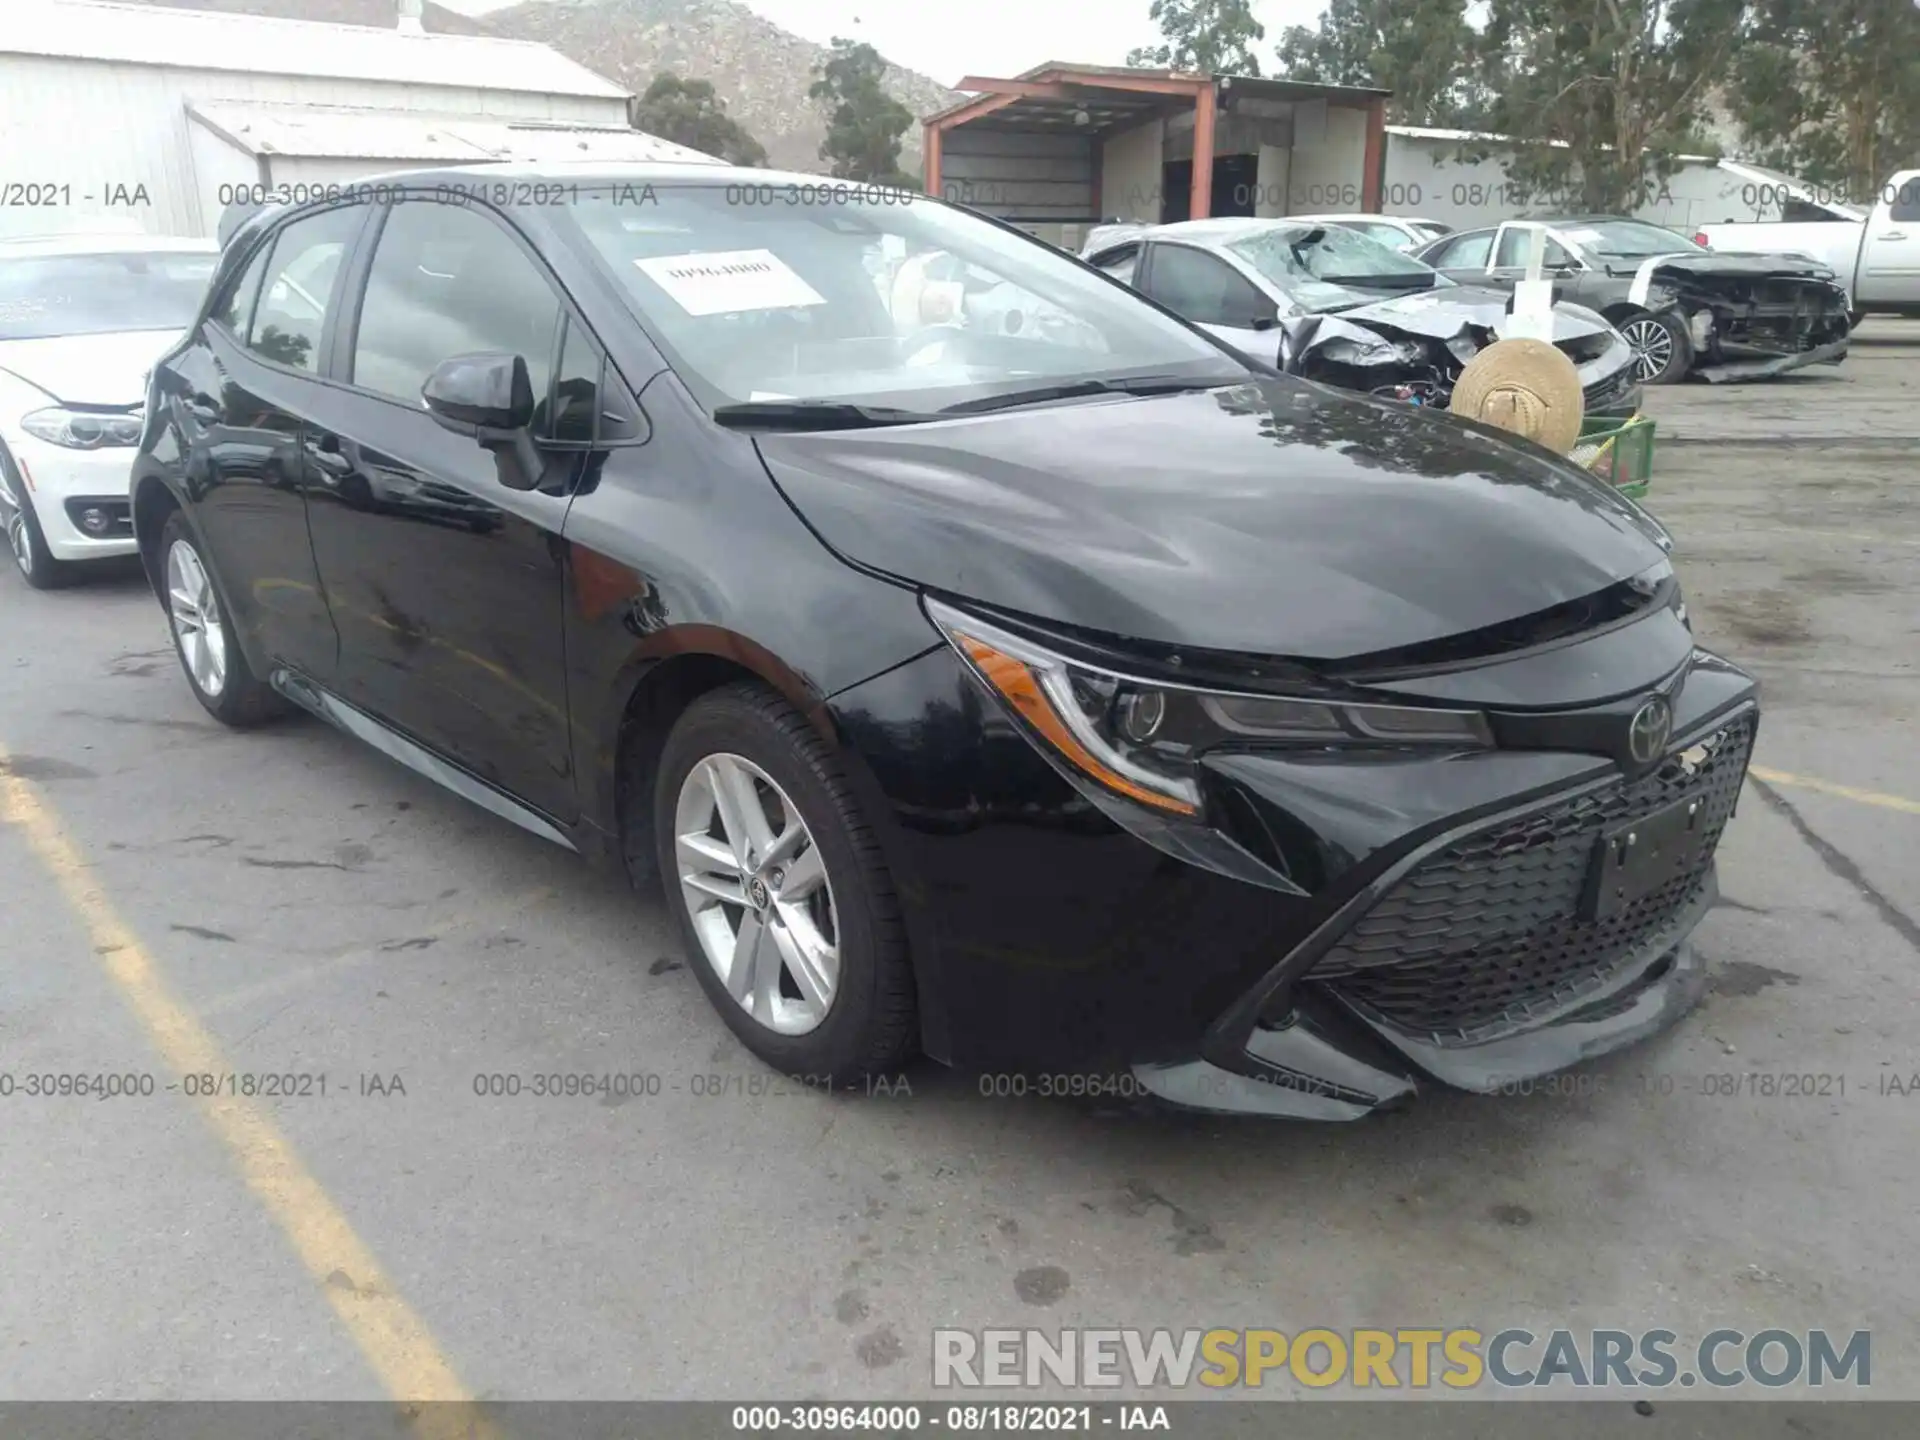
(1015, 680)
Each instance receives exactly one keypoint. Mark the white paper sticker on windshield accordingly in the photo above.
(729, 280)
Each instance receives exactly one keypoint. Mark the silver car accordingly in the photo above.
(1328, 303)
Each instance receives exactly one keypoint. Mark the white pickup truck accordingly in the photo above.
(1874, 248)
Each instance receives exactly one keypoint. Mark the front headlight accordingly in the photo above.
(81, 429)
(1143, 739)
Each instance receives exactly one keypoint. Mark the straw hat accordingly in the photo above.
(1525, 386)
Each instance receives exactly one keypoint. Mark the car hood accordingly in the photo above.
(94, 370)
(1443, 313)
(1279, 518)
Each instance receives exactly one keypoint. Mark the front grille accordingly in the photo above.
(1484, 936)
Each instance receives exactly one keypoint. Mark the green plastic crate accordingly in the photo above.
(1620, 454)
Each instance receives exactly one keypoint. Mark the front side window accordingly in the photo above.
(1516, 250)
(42, 296)
(871, 298)
(291, 314)
(448, 281)
(1204, 288)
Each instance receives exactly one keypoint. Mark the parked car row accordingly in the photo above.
(1066, 692)
(1678, 308)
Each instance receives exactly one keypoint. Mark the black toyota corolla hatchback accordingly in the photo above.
(990, 665)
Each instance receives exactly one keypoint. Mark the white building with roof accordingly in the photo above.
(114, 116)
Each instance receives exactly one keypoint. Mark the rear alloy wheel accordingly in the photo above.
(782, 895)
(25, 540)
(203, 638)
(1662, 349)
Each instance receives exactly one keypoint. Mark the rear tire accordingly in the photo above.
(26, 541)
(203, 638)
(776, 920)
(1662, 348)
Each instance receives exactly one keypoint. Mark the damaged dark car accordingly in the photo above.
(1329, 304)
(1072, 700)
(1685, 310)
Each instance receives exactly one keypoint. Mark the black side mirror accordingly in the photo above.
(490, 398)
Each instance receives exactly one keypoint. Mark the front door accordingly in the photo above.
(446, 584)
(1890, 254)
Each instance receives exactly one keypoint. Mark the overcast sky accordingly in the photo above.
(985, 37)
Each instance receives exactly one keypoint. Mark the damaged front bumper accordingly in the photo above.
(1760, 367)
(1474, 963)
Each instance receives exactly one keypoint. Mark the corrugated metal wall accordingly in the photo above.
(101, 130)
(1019, 175)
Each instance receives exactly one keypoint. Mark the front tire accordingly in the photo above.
(784, 902)
(203, 638)
(1662, 348)
(26, 542)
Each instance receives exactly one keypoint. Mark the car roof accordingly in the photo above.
(108, 244)
(1222, 230)
(1368, 215)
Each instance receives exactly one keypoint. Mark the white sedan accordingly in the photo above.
(1398, 232)
(82, 319)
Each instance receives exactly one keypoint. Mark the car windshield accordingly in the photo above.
(1626, 238)
(1327, 267)
(871, 297)
(49, 295)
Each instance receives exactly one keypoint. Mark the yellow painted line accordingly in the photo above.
(394, 1340)
(1844, 792)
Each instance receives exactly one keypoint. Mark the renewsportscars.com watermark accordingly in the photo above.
(1457, 1359)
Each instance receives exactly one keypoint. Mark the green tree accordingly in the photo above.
(1830, 90)
(1422, 50)
(1619, 88)
(688, 113)
(864, 122)
(1214, 37)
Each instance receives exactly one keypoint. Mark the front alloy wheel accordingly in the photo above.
(1660, 348)
(780, 890)
(756, 890)
(25, 541)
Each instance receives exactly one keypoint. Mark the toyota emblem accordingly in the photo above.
(1649, 730)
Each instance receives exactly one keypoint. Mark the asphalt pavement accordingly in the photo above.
(183, 901)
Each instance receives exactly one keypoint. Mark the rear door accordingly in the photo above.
(447, 585)
(239, 395)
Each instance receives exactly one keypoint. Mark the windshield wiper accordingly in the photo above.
(1076, 389)
(1380, 282)
(815, 415)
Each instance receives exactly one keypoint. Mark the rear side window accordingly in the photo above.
(1906, 200)
(1464, 252)
(1203, 288)
(1517, 245)
(448, 281)
(292, 312)
(237, 309)
(1119, 263)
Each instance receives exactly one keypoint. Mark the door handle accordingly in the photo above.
(1893, 235)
